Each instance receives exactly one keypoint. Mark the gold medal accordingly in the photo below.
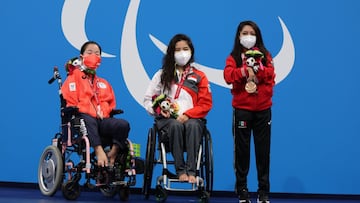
(250, 87)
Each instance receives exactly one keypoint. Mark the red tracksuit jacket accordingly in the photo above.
(237, 76)
(78, 91)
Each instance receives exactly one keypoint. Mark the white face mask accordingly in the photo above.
(248, 41)
(182, 57)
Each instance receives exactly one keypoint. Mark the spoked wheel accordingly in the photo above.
(160, 194)
(108, 191)
(124, 193)
(208, 167)
(50, 170)
(204, 197)
(149, 162)
(71, 190)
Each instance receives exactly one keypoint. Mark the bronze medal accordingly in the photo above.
(250, 87)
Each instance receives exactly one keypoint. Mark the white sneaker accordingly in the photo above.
(263, 198)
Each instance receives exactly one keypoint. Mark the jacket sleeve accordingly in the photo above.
(232, 73)
(267, 75)
(69, 90)
(154, 88)
(204, 100)
(108, 101)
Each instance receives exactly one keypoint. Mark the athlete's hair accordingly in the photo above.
(84, 46)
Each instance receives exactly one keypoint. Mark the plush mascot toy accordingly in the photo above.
(74, 63)
(253, 59)
(163, 103)
(71, 64)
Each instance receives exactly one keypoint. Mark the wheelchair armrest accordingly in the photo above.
(70, 110)
(115, 112)
(67, 113)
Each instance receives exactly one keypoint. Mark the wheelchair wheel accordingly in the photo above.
(149, 162)
(208, 168)
(50, 170)
(71, 190)
(124, 193)
(204, 197)
(108, 191)
(160, 194)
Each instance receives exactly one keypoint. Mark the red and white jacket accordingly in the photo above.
(89, 97)
(237, 76)
(194, 98)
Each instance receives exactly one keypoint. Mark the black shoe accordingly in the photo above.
(244, 196)
(263, 198)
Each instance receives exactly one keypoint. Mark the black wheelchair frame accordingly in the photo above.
(204, 170)
(57, 167)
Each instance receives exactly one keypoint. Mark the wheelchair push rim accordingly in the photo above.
(209, 159)
(207, 167)
(149, 162)
(50, 170)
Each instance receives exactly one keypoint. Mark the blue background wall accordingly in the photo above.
(315, 113)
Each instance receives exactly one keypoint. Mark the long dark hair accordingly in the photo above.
(168, 63)
(239, 48)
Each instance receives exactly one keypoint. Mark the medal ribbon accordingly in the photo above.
(180, 84)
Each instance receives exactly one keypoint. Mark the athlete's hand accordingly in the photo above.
(182, 118)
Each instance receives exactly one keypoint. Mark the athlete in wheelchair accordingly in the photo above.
(179, 98)
(87, 114)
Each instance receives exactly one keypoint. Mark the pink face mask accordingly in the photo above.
(91, 61)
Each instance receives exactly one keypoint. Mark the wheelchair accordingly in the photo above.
(156, 153)
(69, 156)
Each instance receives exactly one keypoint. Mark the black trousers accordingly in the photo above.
(258, 124)
(114, 129)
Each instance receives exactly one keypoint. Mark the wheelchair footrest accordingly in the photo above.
(120, 182)
(174, 184)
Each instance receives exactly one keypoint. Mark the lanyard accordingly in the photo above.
(94, 88)
(95, 92)
(180, 84)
